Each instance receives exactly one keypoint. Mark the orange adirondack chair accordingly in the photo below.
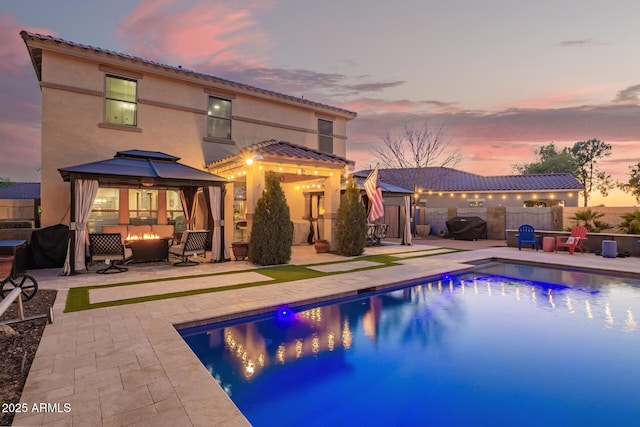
(573, 242)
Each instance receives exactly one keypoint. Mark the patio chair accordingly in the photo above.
(573, 242)
(193, 243)
(527, 236)
(381, 232)
(108, 247)
(371, 234)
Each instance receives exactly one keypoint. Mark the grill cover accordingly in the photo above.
(48, 246)
(466, 227)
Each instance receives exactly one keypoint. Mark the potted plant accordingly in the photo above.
(6, 265)
(322, 246)
(240, 250)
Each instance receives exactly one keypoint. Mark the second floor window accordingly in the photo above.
(121, 101)
(219, 118)
(325, 136)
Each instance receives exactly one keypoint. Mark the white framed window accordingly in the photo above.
(121, 101)
(325, 136)
(219, 118)
(143, 206)
(175, 214)
(105, 209)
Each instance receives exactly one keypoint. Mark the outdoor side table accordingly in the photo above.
(548, 244)
(18, 249)
(609, 248)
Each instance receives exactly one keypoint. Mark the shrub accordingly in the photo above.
(271, 232)
(630, 223)
(351, 222)
(590, 219)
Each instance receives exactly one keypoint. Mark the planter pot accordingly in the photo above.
(240, 250)
(322, 246)
(6, 264)
(423, 230)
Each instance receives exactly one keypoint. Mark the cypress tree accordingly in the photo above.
(351, 222)
(271, 233)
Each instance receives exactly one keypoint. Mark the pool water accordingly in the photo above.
(490, 347)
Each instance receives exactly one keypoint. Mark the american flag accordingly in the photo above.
(372, 188)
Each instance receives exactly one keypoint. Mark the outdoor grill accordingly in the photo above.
(467, 228)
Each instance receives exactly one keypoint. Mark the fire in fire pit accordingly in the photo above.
(145, 236)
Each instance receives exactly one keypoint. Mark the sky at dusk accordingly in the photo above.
(504, 77)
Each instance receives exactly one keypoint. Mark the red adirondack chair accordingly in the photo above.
(573, 242)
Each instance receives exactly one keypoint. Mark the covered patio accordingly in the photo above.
(140, 169)
(310, 180)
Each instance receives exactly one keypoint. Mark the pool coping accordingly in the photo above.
(130, 365)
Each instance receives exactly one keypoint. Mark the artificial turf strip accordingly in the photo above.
(78, 298)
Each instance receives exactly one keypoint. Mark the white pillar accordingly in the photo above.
(331, 205)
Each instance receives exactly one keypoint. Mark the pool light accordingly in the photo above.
(285, 314)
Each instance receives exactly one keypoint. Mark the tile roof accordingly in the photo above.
(275, 148)
(447, 179)
(20, 190)
(26, 35)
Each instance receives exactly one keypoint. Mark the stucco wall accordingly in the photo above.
(517, 200)
(611, 216)
(17, 209)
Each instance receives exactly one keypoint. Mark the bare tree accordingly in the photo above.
(587, 154)
(415, 149)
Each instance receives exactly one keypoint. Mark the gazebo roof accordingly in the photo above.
(142, 168)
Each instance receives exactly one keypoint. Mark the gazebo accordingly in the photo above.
(397, 202)
(137, 169)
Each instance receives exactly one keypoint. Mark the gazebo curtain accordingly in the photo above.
(406, 233)
(219, 247)
(84, 193)
(188, 198)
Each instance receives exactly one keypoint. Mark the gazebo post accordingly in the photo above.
(72, 228)
(223, 193)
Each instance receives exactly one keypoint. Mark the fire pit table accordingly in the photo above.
(145, 250)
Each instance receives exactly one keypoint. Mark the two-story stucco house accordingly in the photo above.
(96, 102)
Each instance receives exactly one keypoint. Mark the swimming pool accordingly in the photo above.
(490, 347)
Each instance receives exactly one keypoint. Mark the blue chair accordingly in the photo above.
(527, 236)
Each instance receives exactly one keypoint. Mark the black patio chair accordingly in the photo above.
(108, 247)
(193, 243)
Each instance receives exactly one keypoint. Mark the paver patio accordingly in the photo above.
(127, 365)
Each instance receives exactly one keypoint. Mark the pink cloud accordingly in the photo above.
(20, 104)
(195, 33)
(372, 105)
(375, 105)
(13, 53)
(559, 99)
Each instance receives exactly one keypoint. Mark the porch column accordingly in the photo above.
(228, 212)
(255, 187)
(331, 205)
(123, 213)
